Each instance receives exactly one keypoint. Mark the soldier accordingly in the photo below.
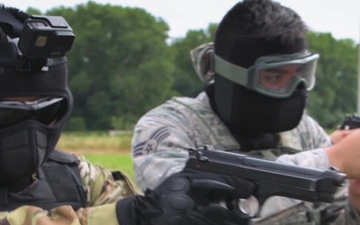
(257, 75)
(42, 185)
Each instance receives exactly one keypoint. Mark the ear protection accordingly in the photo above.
(202, 58)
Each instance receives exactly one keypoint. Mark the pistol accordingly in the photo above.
(270, 178)
(351, 122)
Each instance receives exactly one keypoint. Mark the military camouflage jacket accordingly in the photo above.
(162, 136)
(102, 193)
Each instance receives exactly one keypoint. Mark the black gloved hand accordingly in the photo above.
(188, 199)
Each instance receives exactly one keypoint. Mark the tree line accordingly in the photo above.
(122, 64)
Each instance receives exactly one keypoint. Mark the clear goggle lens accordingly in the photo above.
(283, 80)
(275, 76)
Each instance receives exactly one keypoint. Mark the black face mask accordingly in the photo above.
(24, 147)
(249, 113)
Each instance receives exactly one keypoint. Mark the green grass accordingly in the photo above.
(111, 152)
(113, 161)
(99, 141)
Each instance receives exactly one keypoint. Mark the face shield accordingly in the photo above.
(275, 76)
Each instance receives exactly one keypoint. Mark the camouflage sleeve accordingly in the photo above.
(31, 215)
(158, 147)
(99, 215)
(348, 216)
(318, 135)
(274, 207)
(63, 215)
(317, 158)
(104, 186)
(306, 136)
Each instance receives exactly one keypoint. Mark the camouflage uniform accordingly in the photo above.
(162, 135)
(102, 193)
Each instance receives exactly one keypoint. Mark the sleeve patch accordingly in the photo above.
(150, 145)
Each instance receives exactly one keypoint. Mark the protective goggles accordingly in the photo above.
(44, 110)
(274, 76)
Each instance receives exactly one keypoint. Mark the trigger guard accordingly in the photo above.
(211, 185)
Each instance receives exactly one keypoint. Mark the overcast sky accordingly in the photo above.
(340, 17)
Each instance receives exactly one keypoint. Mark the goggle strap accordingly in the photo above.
(230, 71)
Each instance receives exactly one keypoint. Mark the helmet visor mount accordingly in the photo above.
(275, 76)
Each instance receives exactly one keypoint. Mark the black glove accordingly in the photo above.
(188, 199)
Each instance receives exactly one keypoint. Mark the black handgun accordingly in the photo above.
(270, 178)
(351, 122)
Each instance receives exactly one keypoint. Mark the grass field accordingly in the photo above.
(112, 152)
(117, 161)
(95, 141)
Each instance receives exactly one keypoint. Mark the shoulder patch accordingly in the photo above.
(150, 145)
